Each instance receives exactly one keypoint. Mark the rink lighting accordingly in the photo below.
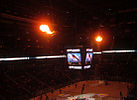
(64, 56)
(97, 53)
(119, 51)
(73, 50)
(30, 58)
(89, 50)
(87, 67)
(99, 38)
(75, 67)
(14, 59)
(45, 28)
(48, 57)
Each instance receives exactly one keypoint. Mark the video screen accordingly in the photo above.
(88, 58)
(74, 58)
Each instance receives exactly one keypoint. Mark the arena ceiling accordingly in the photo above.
(76, 23)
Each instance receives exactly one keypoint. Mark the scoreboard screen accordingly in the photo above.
(89, 56)
(79, 58)
(74, 58)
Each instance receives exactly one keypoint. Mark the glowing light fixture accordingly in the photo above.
(45, 28)
(31, 58)
(99, 38)
(119, 51)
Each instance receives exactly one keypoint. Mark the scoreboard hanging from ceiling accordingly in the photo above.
(79, 58)
(74, 57)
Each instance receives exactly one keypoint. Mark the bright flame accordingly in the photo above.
(45, 28)
(99, 38)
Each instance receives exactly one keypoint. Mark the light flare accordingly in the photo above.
(45, 28)
(99, 38)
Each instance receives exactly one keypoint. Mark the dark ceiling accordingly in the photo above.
(75, 23)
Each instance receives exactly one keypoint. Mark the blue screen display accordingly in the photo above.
(88, 58)
(74, 58)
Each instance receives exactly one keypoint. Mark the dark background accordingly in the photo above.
(75, 22)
